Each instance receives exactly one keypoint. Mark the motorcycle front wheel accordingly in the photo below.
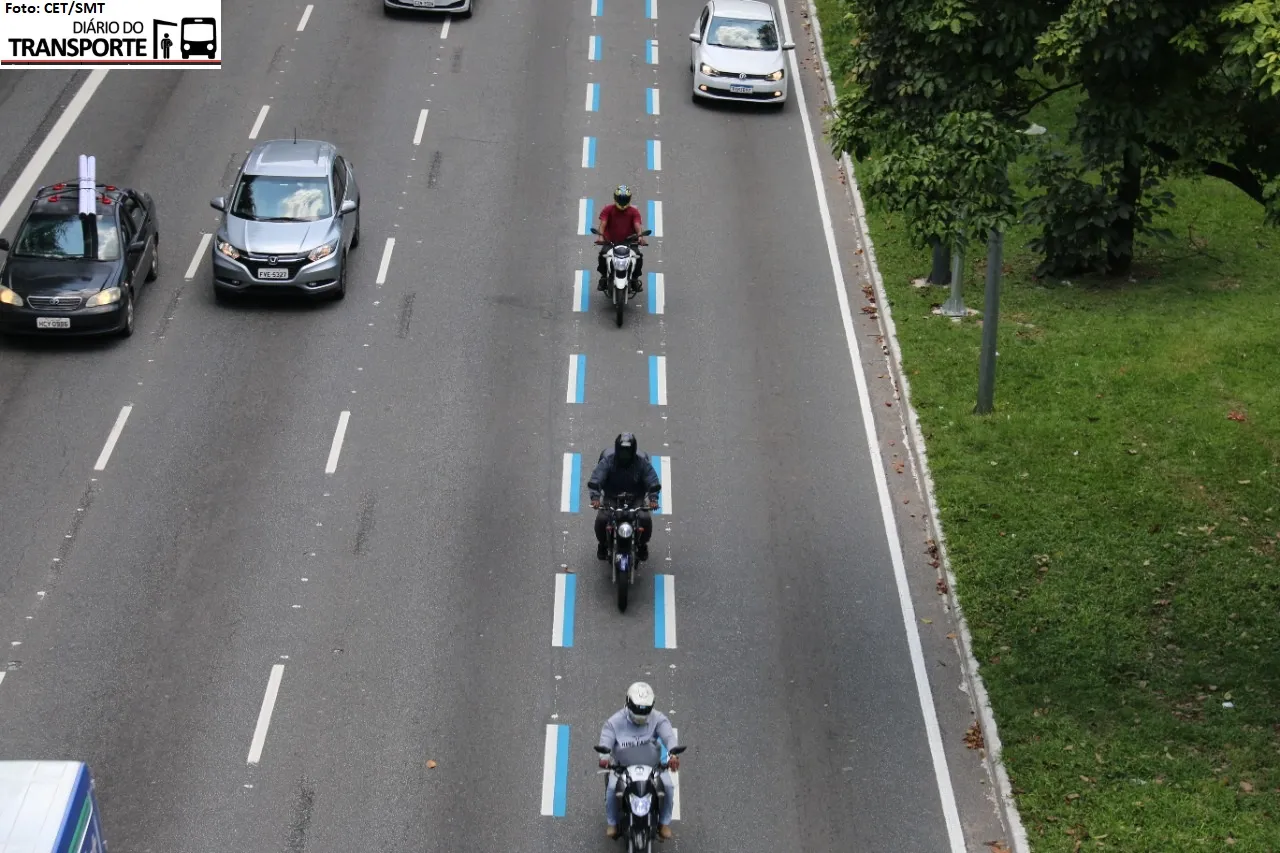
(623, 582)
(619, 304)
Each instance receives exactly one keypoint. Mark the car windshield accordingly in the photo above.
(65, 236)
(741, 34)
(271, 199)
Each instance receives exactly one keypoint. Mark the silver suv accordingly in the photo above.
(293, 216)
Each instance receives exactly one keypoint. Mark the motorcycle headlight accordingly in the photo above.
(8, 297)
(322, 252)
(103, 297)
(625, 530)
(640, 805)
(777, 75)
(229, 250)
(708, 70)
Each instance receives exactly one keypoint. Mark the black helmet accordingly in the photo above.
(625, 449)
(622, 195)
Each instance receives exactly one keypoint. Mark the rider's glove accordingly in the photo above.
(674, 762)
(604, 764)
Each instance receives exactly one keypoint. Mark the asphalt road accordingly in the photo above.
(407, 601)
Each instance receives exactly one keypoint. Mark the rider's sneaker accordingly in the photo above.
(611, 832)
(665, 833)
(643, 552)
(602, 551)
(637, 285)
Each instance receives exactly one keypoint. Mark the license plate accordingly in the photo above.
(53, 322)
(741, 90)
(424, 4)
(273, 274)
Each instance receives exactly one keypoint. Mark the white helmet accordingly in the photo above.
(639, 702)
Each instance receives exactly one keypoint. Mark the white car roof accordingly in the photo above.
(751, 10)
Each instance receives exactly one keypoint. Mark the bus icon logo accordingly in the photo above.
(196, 37)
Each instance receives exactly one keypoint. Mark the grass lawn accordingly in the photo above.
(1114, 526)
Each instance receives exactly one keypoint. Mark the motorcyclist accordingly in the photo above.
(618, 222)
(624, 469)
(638, 723)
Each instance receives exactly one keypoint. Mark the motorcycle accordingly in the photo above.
(640, 789)
(620, 265)
(622, 530)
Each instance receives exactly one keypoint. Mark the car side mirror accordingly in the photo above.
(138, 246)
(348, 206)
(603, 750)
(4, 245)
(219, 203)
(788, 45)
(694, 37)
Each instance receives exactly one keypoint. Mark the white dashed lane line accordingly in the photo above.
(386, 261)
(306, 16)
(199, 256)
(264, 715)
(422, 125)
(257, 125)
(112, 438)
(444, 31)
(335, 448)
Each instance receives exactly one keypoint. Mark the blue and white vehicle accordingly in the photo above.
(48, 807)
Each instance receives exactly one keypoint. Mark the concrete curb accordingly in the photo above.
(1007, 806)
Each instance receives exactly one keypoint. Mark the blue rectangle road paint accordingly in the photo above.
(653, 154)
(562, 618)
(651, 9)
(586, 215)
(597, 8)
(588, 152)
(664, 611)
(651, 101)
(570, 487)
(555, 771)
(655, 217)
(593, 49)
(651, 52)
(657, 292)
(663, 466)
(582, 290)
(593, 97)
(657, 380)
(577, 390)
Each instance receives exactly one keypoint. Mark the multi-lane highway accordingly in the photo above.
(264, 562)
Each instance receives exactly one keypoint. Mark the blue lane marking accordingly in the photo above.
(597, 8)
(580, 392)
(591, 152)
(562, 770)
(650, 9)
(648, 153)
(584, 290)
(650, 218)
(653, 380)
(593, 50)
(595, 97)
(590, 218)
(659, 614)
(651, 52)
(662, 478)
(570, 591)
(650, 289)
(648, 101)
(570, 485)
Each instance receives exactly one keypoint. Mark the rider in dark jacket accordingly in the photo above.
(624, 469)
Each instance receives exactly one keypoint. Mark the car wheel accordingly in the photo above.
(341, 291)
(467, 12)
(127, 329)
(222, 296)
(355, 238)
(154, 272)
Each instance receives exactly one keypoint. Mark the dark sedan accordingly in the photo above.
(73, 273)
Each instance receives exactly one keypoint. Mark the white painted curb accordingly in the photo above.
(1008, 807)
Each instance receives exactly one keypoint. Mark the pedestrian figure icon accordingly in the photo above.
(165, 44)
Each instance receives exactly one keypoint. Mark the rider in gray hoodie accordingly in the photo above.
(638, 723)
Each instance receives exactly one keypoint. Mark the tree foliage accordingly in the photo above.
(941, 88)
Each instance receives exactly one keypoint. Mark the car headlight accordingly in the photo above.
(708, 70)
(777, 75)
(321, 252)
(8, 297)
(103, 297)
(229, 250)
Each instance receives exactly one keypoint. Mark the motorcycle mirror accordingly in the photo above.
(595, 231)
(645, 233)
(603, 750)
(677, 750)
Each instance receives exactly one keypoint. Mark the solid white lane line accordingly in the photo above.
(198, 257)
(422, 125)
(675, 779)
(942, 773)
(444, 31)
(257, 125)
(659, 293)
(112, 438)
(549, 750)
(19, 194)
(264, 715)
(335, 449)
(306, 16)
(386, 260)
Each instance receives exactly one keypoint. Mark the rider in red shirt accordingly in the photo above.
(619, 221)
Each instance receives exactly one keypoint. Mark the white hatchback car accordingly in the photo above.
(737, 54)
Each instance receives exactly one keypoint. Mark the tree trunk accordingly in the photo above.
(941, 273)
(1129, 193)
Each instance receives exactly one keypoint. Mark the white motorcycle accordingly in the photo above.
(636, 772)
(620, 265)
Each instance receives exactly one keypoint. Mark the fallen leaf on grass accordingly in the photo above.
(1246, 787)
(973, 737)
(1237, 416)
(431, 764)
